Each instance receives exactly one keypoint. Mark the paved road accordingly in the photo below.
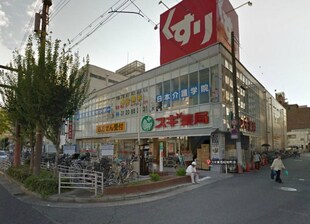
(246, 198)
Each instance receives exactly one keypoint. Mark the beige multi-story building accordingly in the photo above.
(182, 106)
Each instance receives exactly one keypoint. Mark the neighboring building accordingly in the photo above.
(298, 117)
(132, 69)
(101, 78)
(298, 122)
(299, 138)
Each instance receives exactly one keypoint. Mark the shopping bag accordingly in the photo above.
(286, 172)
(272, 174)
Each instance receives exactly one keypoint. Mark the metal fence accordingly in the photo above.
(82, 180)
(76, 178)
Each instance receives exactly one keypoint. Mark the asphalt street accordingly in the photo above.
(245, 198)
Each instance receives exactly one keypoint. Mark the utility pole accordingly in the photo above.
(39, 132)
(235, 94)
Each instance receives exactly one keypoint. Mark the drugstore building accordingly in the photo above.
(183, 106)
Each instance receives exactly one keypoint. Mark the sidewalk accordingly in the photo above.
(170, 184)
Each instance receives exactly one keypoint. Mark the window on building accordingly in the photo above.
(193, 88)
(159, 97)
(152, 98)
(175, 92)
(215, 84)
(166, 95)
(204, 86)
(184, 93)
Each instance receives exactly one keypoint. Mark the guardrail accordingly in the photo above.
(82, 180)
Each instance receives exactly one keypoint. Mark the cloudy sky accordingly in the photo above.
(274, 36)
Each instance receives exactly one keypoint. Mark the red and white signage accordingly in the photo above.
(70, 129)
(183, 120)
(195, 24)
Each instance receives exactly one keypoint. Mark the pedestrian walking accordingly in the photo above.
(257, 160)
(277, 165)
(192, 172)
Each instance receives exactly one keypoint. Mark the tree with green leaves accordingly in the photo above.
(49, 87)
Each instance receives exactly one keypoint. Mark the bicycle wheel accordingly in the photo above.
(112, 179)
(133, 176)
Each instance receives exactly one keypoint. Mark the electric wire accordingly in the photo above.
(143, 14)
(102, 22)
(29, 26)
(58, 8)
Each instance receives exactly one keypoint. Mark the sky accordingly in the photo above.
(273, 36)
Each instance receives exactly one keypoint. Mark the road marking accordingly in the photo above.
(288, 189)
(204, 178)
(301, 179)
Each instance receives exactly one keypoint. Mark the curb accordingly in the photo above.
(19, 191)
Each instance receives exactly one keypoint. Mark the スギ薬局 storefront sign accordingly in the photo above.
(183, 120)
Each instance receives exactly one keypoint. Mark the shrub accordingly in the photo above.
(154, 176)
(181, 172)
(20, 173)
(45, 184)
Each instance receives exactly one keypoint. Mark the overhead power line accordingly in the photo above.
(29, 28)
(58, 8)
(98, 22)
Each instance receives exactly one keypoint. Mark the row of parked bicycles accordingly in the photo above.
(114, 172)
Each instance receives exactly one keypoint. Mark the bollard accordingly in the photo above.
(240, 169)
(247, 167)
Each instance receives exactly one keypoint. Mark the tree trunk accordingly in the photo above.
(57, 153)
(32, 152)
(32, 158)
(38, 150)
(17, 149)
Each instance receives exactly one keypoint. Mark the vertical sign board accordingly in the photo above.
(217, 148)
(70, 128)
(192, 25)
(161, 156)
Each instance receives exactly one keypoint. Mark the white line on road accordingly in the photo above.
(288, 189)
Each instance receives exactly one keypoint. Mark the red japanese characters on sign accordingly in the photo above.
(192, 25)
(247, 125)
(70, 129)
(183, 120)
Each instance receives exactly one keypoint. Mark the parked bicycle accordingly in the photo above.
(126, 173)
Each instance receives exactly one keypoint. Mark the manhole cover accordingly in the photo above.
(288, 189)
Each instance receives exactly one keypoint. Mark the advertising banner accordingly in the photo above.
(193, 25)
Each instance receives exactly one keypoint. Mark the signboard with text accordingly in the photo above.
(109, 128)
(193, 25)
